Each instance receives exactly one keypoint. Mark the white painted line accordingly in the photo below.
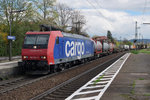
(88, 92)
(86, 98)
(102, 73)
(108, 76)
(101, 82)
(105, 79)
(108, 73)
(94, 86)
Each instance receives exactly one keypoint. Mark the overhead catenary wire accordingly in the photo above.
(91, 4)
(143, 15)
(144, 10)
(98, 11)
(97, 2)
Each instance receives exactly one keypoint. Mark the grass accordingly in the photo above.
(133, 86)
(134, 51)
(132, 95)
(141, 78)
(98, 80)
(132, 92)
(128, 97)
(147, 51)
(147, 94)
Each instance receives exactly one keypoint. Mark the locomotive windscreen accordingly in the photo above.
(35, 41)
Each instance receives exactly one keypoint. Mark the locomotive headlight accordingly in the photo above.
(25, 57)
(43, 57)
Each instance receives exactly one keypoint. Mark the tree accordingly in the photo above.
(9, 13)
(7, 6)
(45, 10)
(3, 41)
(125, 41)
(109, 36)
(77, 21)
(64, 15)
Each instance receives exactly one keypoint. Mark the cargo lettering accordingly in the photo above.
(74, 48)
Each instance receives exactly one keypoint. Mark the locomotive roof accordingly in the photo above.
(63, 33)
(75, 36)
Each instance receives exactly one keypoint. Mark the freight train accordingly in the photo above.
(49, 51)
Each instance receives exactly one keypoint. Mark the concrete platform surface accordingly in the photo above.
(133, 80)
(10, 64)
(9, 68)
(7, 58)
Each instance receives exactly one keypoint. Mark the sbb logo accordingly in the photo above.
(74, 48)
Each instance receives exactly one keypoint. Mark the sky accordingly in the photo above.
(118, 16)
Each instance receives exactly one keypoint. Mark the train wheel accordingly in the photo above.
(61, 67)
(53, 69)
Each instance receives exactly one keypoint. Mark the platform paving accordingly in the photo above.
(133, 80)
(9, 68)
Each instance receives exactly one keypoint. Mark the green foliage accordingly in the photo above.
(147, 51)
(117, 43)
(133, 87)
(3, 47)
(98, 80)
(109, 36)
(141, 78)
(45, 7)
(19, 31)
(134, 51)
(125, 41)
(21, 23)
(35, 13)
(148, 94)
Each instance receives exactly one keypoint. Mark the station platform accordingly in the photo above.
(6, 59)
(8, 68)
(133, 80)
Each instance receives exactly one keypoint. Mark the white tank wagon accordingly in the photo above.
(98, 46)
(105, 47)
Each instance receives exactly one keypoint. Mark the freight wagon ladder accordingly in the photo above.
(95, 88)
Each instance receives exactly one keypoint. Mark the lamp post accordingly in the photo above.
(10, 22)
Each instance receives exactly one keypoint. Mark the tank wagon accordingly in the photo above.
(102, 46)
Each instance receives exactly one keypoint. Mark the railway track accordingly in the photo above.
(9, 85)
(62, 91)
